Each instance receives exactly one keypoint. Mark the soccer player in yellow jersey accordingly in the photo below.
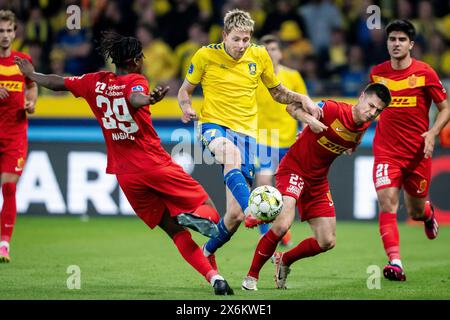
(277, 130)
(229, 73)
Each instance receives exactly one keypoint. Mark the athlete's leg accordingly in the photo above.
(8, 213)
(189, 250)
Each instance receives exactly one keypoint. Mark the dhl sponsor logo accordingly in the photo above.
(412, 81)
(403, 102)
(331, 146)
(343, 132)
(12, 85)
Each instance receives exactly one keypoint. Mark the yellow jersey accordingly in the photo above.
(229, 85)
(276, 127)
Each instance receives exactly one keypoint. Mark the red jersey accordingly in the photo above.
(131, 141)
(399, 129)
(13, 117)
(314, 153)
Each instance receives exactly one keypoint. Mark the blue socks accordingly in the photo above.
(237, 184)
(215, 243)
(263, 228)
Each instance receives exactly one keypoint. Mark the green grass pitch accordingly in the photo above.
(120, 258)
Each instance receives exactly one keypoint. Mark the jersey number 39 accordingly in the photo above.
(118, 116)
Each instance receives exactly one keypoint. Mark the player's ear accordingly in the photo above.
(411, 45)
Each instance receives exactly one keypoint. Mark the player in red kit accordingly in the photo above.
(403, 142)
(18, 95)
(302, 179)
(158, 189)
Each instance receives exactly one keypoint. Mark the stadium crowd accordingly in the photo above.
(327, 41)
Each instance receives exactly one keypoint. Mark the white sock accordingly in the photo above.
(397, 262)
(5, 244)
(214, 278)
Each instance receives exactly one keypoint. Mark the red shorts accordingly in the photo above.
(414, 176)
(13, 153)
(313, 199)
(165, 188)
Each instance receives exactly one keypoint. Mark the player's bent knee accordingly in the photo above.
(327, 243)
(280, 229)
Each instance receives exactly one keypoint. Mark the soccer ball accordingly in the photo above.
(265, 203)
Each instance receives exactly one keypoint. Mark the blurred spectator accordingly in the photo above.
(19, 43)
(294, 46)
(359, 33)
(284, 10)
(437, 55)
(37, 27)
(57, 63)
(376, 49)
(320, 17)
(160, 63)
(355, 75)
(337, 52)
(426, 23)
(35, 51)
(38, 32)
(310, 74)
(175, 24)
(417, 51)
(444, 23)
(77, 46)
(403, 10)
(185, 51)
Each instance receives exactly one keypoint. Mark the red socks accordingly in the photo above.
(307, 248)
(208, 212)
(8, 215)
(192, 253)
(264, 250)
(389, 234)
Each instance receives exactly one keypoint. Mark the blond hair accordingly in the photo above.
(8, 15)
(238, 20)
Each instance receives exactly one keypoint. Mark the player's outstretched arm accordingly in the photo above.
(50, 81)
(441, 120)
(138, 100)
(301, 115)
(184, 101)
(285, 96)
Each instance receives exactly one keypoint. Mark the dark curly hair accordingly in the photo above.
(119, 48)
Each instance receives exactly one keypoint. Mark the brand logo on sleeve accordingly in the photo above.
(191, 69)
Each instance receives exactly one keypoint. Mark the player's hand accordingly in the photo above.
(315, 125)
(158, 94)
(30, 106)
(3, 93)
(189, 114)
(313, 109)
(429, 144)
(25, 66)
(348, 152)
(251, 221)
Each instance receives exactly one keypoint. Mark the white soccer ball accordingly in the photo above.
(265, 203)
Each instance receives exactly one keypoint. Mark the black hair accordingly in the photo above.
(402, 26)
(381, 91)
(119, 48)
